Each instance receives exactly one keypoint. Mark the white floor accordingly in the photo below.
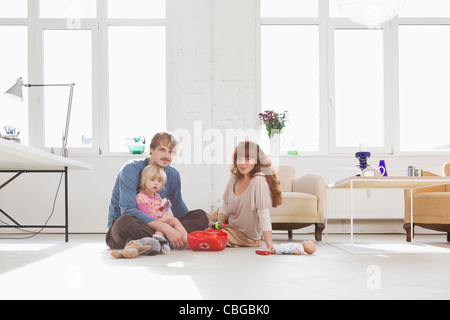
(45, 267)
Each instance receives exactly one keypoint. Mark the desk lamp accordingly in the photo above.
(16, 92)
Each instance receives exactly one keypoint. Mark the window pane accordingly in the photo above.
(13, 65)
(289, 8)
(137, 9)
(137, 84)
(290, 81)
(68, 9)
(359, 88)
(13, 9)
(429, 8)
(68, 59)
(424, 83)
(335, 12)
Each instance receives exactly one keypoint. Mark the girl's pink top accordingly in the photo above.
(150, 205)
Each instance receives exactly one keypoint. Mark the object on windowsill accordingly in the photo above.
(292, 151)
(11, 134)
(138, 146)
(11, 137)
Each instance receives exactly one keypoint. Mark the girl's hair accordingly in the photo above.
(251, 150)
(151, 172)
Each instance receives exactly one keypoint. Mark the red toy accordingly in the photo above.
(262, 252)
(210, 240)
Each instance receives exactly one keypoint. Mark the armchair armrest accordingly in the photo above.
(312, 184)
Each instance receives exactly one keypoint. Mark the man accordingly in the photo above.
(126, 222)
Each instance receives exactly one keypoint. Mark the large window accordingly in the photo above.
(13, 64)
(385, 88)
(290, 81)
(424, 83)
(114, 52)
(290, 70)
(137, 83)
(358, 104)
(68, 59)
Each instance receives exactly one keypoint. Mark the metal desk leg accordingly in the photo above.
(351, 212)
(66, 182)
(412, 214)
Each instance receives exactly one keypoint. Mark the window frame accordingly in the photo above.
(389, 85)
(321, 23)
(327, 26)
(100, 83)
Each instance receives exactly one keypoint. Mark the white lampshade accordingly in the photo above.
(16, 90)
(371, 13)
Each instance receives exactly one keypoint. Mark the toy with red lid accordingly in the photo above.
(209, 240)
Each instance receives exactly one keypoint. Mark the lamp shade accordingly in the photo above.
(371, 13)
(16, 89)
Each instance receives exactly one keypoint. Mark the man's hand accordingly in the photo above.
(175, 238)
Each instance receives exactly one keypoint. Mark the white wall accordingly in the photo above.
(212, 83)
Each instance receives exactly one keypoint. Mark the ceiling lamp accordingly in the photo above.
(371, 13)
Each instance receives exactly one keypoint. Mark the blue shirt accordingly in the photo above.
(123, 199)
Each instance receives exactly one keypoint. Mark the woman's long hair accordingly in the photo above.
(251, 150)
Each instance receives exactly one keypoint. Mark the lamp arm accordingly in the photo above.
(49, 85)
(69, 109)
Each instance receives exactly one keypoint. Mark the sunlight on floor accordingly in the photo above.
(395, 248)
(25, 246)
(46, 267)
(81, 272)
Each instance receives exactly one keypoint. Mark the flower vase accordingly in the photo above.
(274, 143)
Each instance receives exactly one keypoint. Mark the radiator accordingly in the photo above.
(367, 204)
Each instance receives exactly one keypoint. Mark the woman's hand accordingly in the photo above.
(268, 240)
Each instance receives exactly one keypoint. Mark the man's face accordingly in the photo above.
(161, 155)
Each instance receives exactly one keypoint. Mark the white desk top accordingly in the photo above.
(15, 156)
(390, 182)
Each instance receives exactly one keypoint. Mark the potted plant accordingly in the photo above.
(273, 121)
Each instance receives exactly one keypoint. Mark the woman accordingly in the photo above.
(249, 196)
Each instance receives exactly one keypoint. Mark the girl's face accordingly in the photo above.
(153, 185)
(245, 165)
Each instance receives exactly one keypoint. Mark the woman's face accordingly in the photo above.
(245, 165)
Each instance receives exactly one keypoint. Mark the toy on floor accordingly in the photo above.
(209, 240)
(161, 246)
(290, 248)
(218, 225)
(146, 246)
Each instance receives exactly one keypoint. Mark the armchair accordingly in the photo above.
(431, 207)
(303, 203)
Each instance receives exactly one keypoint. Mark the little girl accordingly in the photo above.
(153, 179)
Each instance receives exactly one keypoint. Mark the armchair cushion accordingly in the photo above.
(296, 207)
(431, 207)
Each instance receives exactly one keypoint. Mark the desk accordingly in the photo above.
(20, 159)
(386, 183)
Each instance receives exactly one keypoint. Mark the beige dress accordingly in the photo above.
(249, 212)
